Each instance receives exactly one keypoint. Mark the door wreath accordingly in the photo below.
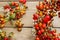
(43, 18)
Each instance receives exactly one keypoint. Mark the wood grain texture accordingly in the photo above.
(25, 34)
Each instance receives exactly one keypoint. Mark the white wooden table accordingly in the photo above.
(26, 33)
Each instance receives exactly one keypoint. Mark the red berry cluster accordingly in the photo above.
(14, 7)
(15, 11)
(22, 1)
(43, 20)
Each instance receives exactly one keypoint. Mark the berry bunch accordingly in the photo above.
(3, 35)
(15, 11)
(2, 21)
(19, 25)
(43, 20)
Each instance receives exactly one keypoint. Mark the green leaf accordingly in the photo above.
(12, 16)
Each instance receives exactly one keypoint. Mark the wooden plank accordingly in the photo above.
(25, 34)
(18, 0)
(56, 22)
